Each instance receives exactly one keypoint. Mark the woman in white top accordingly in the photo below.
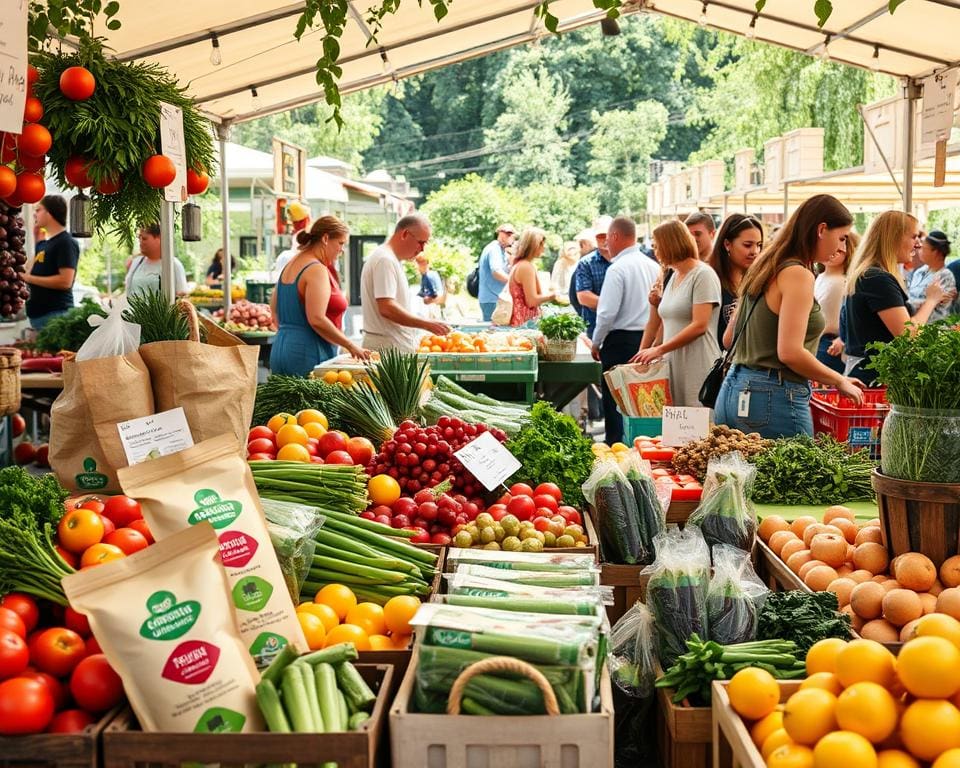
(829, 290)
(144, 272)
(933, 268)
(687, 315)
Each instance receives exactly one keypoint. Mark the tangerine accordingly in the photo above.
(809, 715)
(292, 433)
(398, 612)
(822, 656)
(791, 756)
(895, 758)
(929, 728)
(939, 625)
(844, 749)
(867, 709)
(774, 741)
(325, 613)
(949, 759)
(865, 661)
(338, 597)
(312, 416)
(293, 452)
(824, 680)
(765, 726)
(383, 489)
(313, 630)
(380, 643)
(348, 633)
(314, 429)
(280, 420)
(753, 692)
(929, 667)
(369, 616)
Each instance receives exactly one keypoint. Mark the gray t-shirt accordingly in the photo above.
(144, 275)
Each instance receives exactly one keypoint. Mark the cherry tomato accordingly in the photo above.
(262, 457)
(522, 507)
(542, 523)
(24, 606)
(144, 529)
(551, 489)
(77, 622)
(94, 684)
(546, 500)
(122, 510)
(260, 432)
(571, 515)
(80, 529)
(26, 706)
(12, 621)
(14, 654)
(58, 651)
(95, 504)
(70, 721)
(261, 445)
(99, 554)
(57, 689)
(521, 489)
(338, 457)
(542, 512)
(128, 540)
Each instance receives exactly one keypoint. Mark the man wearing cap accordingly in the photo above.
(299, 215)
(590, 273)
(54, 267)
(494, 270)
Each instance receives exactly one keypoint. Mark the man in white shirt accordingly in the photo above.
(622, 312)
(385, 294)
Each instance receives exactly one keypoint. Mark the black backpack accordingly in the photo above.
(473, 282)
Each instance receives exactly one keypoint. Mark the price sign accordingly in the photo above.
(488, 460)
(150, 437)
(939, 92)
(173, 145)
(683, 425)
(13, 65)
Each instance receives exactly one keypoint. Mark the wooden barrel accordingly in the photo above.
(919, 517)
(9, 380)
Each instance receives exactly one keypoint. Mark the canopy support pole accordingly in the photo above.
(912, 90)
(168, 283)
(223, 134)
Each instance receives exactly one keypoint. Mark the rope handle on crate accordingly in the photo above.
(193, 321)
(501, 664)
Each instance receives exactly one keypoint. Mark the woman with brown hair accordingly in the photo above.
(737, 246)
(523, 280)
(308, 305)
(686, 314)
(829, 289)
(777, 327)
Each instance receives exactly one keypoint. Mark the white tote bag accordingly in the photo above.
(504, 311)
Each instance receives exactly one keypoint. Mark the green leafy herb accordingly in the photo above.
(159, 320)
(400, 378)
(70, 330)
(804, 617)
(562, 326)
(363, 410)
(290, 394)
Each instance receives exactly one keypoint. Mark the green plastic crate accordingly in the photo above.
(259, 293)
(482, 362)
(635, 427)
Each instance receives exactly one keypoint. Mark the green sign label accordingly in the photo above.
(266, 647)
(90, 479)
(168, 618)
(220, 720)
(251, 593)
(483, 592)
(213, 510)
(449, 638)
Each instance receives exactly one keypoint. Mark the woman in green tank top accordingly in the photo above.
(777, 327)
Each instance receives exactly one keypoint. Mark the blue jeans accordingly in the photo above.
(834, 363)
(37, 323)
(775, 408)
(486, 309)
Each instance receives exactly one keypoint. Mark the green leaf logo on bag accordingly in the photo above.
(90, 479)
(251, 593)
(266, 647)
(168, 618)
(448, 638)
(213, 510)
(220, 720)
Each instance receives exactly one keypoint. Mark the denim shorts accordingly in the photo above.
(775, 408)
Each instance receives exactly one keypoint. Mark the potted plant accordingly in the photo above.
(560, 331)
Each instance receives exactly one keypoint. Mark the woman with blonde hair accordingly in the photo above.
(829, 289)
(686, 313)
(877, 307)
(524, 281)
(308, 305)
(777, 325)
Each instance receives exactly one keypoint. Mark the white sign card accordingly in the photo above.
(173, 146)
(682, 425)
(488, 460)
(13, 64)
(151, 437)
(939, 93)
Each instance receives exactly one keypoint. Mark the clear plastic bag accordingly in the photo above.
(618, 517)
(677, 590)
(521, 561)
(563, 578)
(734, 598)
(633, 655)
(292, 529)
(112, 335)
(725, 514)
(651, 501)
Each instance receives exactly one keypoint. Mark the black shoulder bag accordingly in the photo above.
(711, 385)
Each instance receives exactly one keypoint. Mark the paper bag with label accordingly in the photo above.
(212, 483)
(643, 389)
(165, 623)
(214, 382)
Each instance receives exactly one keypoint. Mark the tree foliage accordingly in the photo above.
(561, 211)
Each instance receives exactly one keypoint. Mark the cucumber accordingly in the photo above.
(313, 696)
(356, 720)
(327, 690)
(344, 709)
(335, 654)
(288, 654)
(269, 702)
(355, 689)
(295, 699)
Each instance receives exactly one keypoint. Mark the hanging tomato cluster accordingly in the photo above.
(22, 182)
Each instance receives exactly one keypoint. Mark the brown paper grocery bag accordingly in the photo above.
(85, 447)
(214, 382)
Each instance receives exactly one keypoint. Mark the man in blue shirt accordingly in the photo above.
(494, 270)
(431, 285)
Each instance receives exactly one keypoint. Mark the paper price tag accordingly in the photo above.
(683, 425)
(150, 437)
(488, 460)
(174, 147)
(13, 65)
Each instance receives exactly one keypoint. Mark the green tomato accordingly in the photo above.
(511, 544)
(463, 539)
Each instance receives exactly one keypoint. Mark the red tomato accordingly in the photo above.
(338, 457)
(95, 504)
(546, 500)
(26, 706)
(24, 606)
(441, 538)
(521, 489)
(58, 651)
(263, 457)
(94, 684)
(32, 110)
(11, 620)
(122, 510)
(159, 171)
(521, 507)
(70, 721)
(313, 447)
(33, 74)
(14, 654)
(332, 441)
(542, 523)
(543, 512)
(571, 515)
(144, 529)
(75, 172)
(93, 646)
(110, 185)
(77, 83)
(35, 140)
(551, 489)
(128, 540)
(260, 432)
(197, 182)
(68, 557)
(407, 506)
(505, 499)
(108, 526)
(80, 529)
(77, 622)
(261, 445)
(361, 450)
(57, 689)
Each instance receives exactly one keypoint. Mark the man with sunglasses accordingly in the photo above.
(385, 294)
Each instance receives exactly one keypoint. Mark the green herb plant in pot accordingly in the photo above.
(560, 331)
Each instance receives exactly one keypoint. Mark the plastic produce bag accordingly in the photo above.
(568, 578)
(112, 335)
(521, 561)
(618, 518)
(292, 528)
(725, 514)
(734, 598)
(633, 669)
(651, 501)
(677, 590)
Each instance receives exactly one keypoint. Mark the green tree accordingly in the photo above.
(620, 151)
(561, 211)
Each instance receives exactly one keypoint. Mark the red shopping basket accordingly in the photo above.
(856, 425)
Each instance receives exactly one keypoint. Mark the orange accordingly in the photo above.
(867, 709)
(753, 693)
(345, 378)
(281, 420)
(312, 416)
(314, 429)
(895, 758)
(330, 377)
(824, 680)
(313, 629)
(369, 616)
(949, 759)
(791, 756)
(293, 452)
(844, 749)
(401, 642)
(765, 726)
(325, 613)
(929, 728)
(292, 433)
(822, 656)
(939, 625)
(398, 612)
(929, 667)
(774, 741)
(340, 598)
(809, 715)
(348, 633)
(865, 661)
(799, 525)
(380, 643)
(383, 489)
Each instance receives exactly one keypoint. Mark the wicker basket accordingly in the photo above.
(9, 380)
(558, 350)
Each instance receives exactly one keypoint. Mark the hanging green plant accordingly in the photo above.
(109, 135)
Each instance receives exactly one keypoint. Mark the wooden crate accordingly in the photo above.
(628, 587)
(684, 734)
(732, 745)
(56, 750)
(126, 746)
(532, 741)
(774, 572)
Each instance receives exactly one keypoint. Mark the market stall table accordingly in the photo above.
(561, 382)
